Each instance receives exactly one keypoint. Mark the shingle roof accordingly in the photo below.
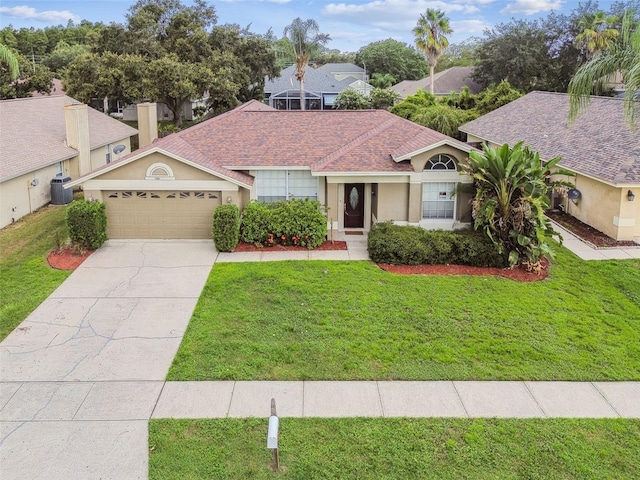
(315, 81)
(598, 144)
(340, 68)
(326, 141)
(33, 133)
(254, 136)
(451, 80)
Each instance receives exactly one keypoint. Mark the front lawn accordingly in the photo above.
(25, 276)
(351, 321)
(366, 448)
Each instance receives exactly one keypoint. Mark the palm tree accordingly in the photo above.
(8, 58)
(305, 38)
(597, 33)
(621, 57)
(430, 34)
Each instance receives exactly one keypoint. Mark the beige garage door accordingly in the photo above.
(148, 214)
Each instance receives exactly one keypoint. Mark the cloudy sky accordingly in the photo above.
(351, 23)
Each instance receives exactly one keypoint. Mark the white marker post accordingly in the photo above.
(272, 434)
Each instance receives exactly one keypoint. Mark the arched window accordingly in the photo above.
(441, 162)
(159, 171)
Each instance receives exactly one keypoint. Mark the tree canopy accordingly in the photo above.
(391, 57)
(530, 54)
(171, 53)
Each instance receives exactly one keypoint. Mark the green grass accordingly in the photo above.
(352, 321)
(25, 276)
(364, 448)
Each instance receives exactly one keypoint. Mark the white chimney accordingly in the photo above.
(77, 124)
(147, 123)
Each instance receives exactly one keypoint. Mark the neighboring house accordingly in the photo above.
(130, 112)
(344, 71)
(599, 147)
(49, 136)
(453, 79)
(364, 165)
(321, 89)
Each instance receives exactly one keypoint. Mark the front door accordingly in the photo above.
(354, 205)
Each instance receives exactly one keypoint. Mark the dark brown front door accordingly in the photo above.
(354, 205)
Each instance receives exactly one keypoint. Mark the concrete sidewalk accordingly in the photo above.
(587, 252)
(220, 399)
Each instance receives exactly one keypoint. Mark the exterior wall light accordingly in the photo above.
(630, 196)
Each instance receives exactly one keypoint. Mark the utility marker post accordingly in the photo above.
(272, 434)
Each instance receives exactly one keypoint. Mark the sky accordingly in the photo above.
(351, 24)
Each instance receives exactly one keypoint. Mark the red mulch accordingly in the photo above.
(66, 258)
(518, 274)
(587, 232)
(327, 245)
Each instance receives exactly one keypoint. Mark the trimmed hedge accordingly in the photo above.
(407, 245)
(287, 222)
(87, 223)
(226, 227)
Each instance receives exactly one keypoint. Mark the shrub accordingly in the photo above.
(400, 245)
(291, 222)
(87, 224)
(226, 227)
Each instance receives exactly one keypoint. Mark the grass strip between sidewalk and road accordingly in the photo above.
(319, 320)
(26, 279)
(367, 448)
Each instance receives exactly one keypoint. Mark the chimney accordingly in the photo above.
(76, 118)
(147, 123)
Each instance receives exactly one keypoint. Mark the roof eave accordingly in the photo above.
(460, 146)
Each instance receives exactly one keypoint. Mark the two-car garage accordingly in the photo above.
(160, 214)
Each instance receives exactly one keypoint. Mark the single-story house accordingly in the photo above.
(48, 136)
(453, 79)
(344, 71)
(364, 165)
(320, 89)
(599, 147)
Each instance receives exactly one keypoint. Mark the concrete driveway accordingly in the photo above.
(81, 375)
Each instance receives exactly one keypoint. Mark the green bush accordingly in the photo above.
(291, 222)
(226, 227)
(400, 245)
(87, 224)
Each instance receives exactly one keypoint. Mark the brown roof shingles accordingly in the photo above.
(257, 136)
(33, 133)
(326, 141)
(598, 144)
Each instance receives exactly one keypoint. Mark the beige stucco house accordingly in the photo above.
(365, 166)
(49, 136)
(600, 147)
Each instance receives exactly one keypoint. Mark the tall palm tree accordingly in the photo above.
(305, 37)
(430, 34)
(597, 33)
(8, 58)
(622, 57)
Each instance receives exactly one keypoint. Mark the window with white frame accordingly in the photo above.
(441, 162)
(438, 201)
(274, 185)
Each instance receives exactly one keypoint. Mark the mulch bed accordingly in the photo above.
(66, 258)
(586, 232)
(518, 274)
(327, 245)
